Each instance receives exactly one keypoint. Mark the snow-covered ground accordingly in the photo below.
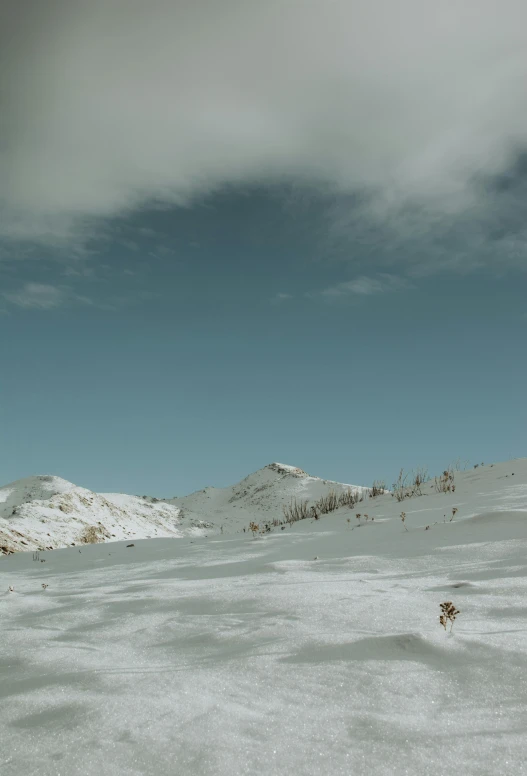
(316, 649)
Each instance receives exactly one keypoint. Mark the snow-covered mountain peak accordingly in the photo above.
(283, 468)
(40, 487)
(45, 511)
(261, 496)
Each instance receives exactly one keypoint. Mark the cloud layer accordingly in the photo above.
(43, 296)
(111, 104)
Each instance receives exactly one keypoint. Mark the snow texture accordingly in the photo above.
(315, 650)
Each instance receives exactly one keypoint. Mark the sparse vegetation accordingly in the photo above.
(296, 510)
(410, 484)
(403, 518)
(445, 483)
(301, 510)
(328, 503)
(459, 466)
(349, 498)
(419, 478)
(377, 489)
(366, 518)
(448, 614)
(91, 535)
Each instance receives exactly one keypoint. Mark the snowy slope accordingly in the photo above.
(260, 496)
(316, 650)
(45, 511)
(49, 512)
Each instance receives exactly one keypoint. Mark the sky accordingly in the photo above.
(235, 233)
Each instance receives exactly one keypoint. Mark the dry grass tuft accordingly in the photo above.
(410, 484)
(377, 489)
(445, 483)
(448, 614)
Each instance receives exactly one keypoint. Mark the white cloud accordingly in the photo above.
(281, 297)
(42, 296)
(366, 286)
(36, 295)
(109, 104)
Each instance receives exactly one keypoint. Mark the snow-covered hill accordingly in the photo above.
(46, 512)
(261, 496)
(49, 512)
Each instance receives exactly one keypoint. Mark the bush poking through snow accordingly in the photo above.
(328, 503)
(445, 483)
(300, 510)
(349, 498)
(410, 484)
(254, 527)
(378, 488)
(295, 511)
(403, 518)
(448, 614)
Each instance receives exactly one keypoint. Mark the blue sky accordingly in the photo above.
(187, 368)
(238, 233)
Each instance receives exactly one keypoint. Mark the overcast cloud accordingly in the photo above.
(110, 104)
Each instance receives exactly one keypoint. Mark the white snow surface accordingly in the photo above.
(315, 650)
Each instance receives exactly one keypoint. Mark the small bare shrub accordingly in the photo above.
(403, 518)
(410, 484)
(448, 614)
(400, 487)
(454, 513)
(445, 483)
(419, 478)
(378, 488)
(254, 527)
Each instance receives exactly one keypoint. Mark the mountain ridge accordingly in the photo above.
(46, 511)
